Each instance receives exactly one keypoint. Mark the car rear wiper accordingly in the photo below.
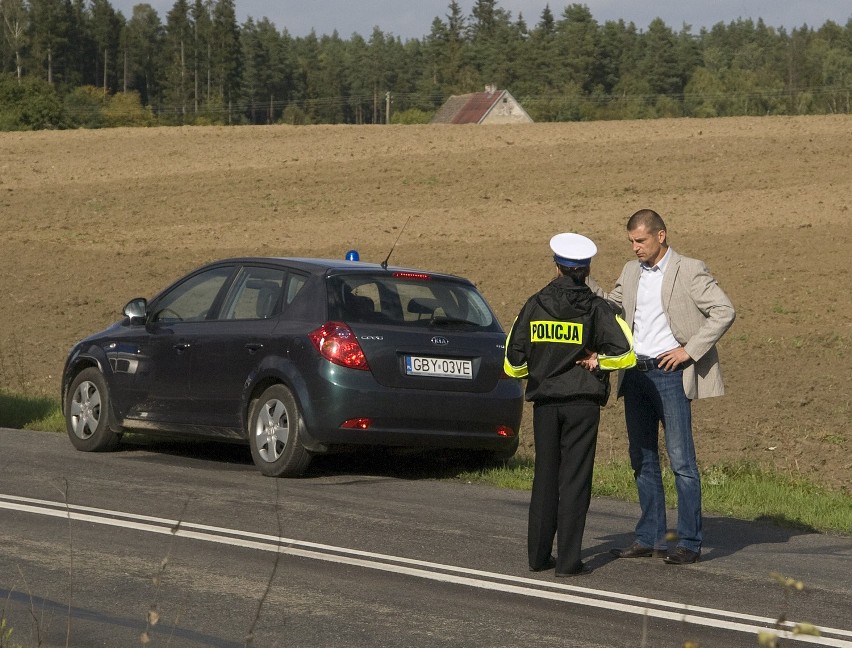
(441, 320)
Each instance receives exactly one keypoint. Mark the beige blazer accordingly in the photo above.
(698, 311)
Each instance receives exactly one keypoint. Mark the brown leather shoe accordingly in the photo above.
(637, 551)
(682, 556)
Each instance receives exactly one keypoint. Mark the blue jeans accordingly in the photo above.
(650, 398)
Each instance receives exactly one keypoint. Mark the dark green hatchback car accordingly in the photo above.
(297, 356)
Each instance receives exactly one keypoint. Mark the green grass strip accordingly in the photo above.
(742, 490)
(30, 413)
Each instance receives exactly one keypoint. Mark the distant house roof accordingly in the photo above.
(477, 107)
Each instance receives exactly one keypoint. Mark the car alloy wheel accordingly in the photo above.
(275, 433)
(87, 413)
(272, 430)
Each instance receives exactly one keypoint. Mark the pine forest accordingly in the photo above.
(81, 63)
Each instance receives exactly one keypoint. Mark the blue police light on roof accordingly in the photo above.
(353, 255)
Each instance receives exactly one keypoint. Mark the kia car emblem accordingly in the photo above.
(440, 340)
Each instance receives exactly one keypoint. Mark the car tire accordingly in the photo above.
(480, 459)
(275, 431)
(504, 455)
(87, 407)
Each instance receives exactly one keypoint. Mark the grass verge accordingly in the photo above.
(740, 490)
(30, 412)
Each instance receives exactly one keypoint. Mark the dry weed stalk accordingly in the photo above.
(769, 639)
(36, 624)
(249, 641)
(152, 617)
(17, 373)
(64, 492)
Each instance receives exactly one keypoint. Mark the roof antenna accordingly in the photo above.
(387, 258)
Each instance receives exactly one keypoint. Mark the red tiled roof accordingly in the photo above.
(477, 107)
(449, 110)
(467, 109)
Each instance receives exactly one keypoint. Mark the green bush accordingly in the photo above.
(28, 104)
(667, 107)
(294, 116)
(412, 116)
(84, 107)
(126, 109)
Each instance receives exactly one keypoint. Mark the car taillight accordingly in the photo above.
(337, 343)
(360, 423)
(505, 431)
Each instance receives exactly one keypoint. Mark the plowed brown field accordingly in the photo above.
(92, 218)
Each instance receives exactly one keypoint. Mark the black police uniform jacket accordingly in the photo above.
(558, 326)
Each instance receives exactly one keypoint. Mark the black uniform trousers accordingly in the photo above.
(565, 439)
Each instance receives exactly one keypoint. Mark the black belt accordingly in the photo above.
(646, 364)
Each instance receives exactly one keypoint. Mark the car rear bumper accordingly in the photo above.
(384, 433)
(408, 417)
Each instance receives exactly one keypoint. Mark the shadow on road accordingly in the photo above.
(727, 536)
(169, 450)
(397, 463)
(723, 537)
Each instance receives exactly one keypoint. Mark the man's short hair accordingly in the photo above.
(648, 218)
(577, 273)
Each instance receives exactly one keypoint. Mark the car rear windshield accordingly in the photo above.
(409, 299)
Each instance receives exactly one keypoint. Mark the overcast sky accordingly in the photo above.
(413, 18)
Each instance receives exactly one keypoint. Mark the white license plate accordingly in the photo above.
(439, 367)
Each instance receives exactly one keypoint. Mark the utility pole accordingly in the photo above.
(387, 107)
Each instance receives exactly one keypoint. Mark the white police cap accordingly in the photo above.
(572, 250)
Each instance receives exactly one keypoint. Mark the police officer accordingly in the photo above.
(564, 342)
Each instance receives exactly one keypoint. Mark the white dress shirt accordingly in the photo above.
(652, 335)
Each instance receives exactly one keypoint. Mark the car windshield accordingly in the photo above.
(409, 299)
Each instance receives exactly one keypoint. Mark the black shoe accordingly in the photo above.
(550, 563)
(582, 570)
(682, 556)
(637, 551)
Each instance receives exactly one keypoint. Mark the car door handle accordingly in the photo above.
(180, 347)
(254, 347)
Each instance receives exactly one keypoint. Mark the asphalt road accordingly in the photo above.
(375, 551)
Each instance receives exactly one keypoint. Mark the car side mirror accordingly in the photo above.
(136, 310)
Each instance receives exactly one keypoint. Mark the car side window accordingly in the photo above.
(294, 284)
(191, 300)
(255, 294)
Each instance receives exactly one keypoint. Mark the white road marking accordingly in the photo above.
(660, 609)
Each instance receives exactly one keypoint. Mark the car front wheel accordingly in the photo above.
(275, 434)
(87, 413)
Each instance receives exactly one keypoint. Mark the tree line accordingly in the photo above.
(81, 63)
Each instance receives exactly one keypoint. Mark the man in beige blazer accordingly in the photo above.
(677, 313)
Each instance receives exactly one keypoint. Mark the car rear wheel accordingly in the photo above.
(275, 434)
(87, 413)
(505, 454)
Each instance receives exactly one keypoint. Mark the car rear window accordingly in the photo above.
(409, 300)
